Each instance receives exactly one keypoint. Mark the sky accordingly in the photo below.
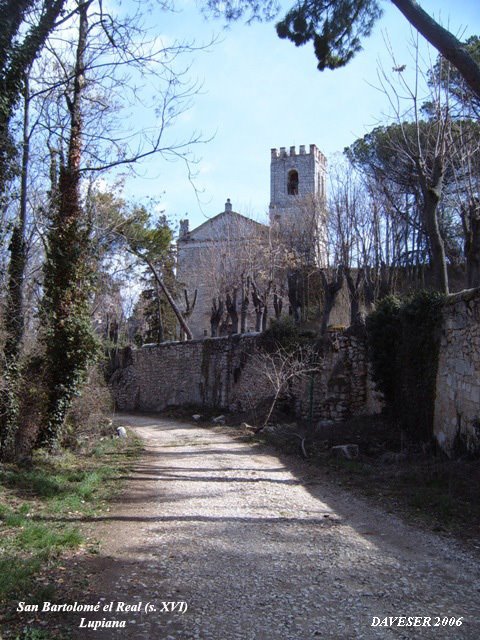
(258, 92)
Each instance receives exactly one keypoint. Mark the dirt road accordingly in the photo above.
(263, 551)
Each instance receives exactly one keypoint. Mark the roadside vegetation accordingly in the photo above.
(45, 507)
(414, 481)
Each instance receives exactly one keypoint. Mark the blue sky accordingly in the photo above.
(260, 92)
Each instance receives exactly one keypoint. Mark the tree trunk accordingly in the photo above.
(432, 191)
(14, 315)
(264, 316)
(159, 315)
(166, 291)
(70, 344)
(277, 305)
(244, 304)
(370, 287)
(257, 303)
(439, 263)
(216, 316)
(260, 304)
(331, 289)
(231, 304)
(14, 311)
(354, 291)
(189, 307)
(294, 295)
(450, 47)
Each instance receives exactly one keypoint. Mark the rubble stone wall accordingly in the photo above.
(226, 374)
(457, 404)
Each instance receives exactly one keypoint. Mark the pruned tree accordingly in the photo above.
(244, 290)
(216, 316)
(231, 303)
(432, 154)
(260, 304)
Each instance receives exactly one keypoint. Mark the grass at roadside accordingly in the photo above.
(440, 494)
(41, 512)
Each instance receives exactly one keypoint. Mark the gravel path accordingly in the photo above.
(259, 551)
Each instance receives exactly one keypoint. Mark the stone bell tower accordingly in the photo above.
(298, 198)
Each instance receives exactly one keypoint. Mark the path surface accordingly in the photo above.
(262, 551)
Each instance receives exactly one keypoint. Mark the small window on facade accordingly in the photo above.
(292, 184)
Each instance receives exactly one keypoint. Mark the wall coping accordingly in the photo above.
(180, 343)
(462, 296)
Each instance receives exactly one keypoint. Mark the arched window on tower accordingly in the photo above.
(292, 183)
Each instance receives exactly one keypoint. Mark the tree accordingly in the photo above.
(14, 303)
(69, 340)
(464, 178)
(337, 28)
(281, 366)
(77, 91)
(152, 246)
(426, 165)
(413, 156)
(24, 28)
(464, 103)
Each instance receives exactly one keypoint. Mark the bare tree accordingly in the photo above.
(231, 262)
(75, 92)
(216, 315)
(280, 367)
(189, 308)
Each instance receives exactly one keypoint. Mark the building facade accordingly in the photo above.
(217, 258)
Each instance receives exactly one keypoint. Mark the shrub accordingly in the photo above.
(383, 330)
(282, 333)
(92, 403)
(404, 340)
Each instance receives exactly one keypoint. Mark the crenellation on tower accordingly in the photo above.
(292, 152)
(294, 176)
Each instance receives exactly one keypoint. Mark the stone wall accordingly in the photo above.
(457, 405)
(225, 374)
(343, 387)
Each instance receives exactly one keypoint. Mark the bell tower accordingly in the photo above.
(298, 197)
